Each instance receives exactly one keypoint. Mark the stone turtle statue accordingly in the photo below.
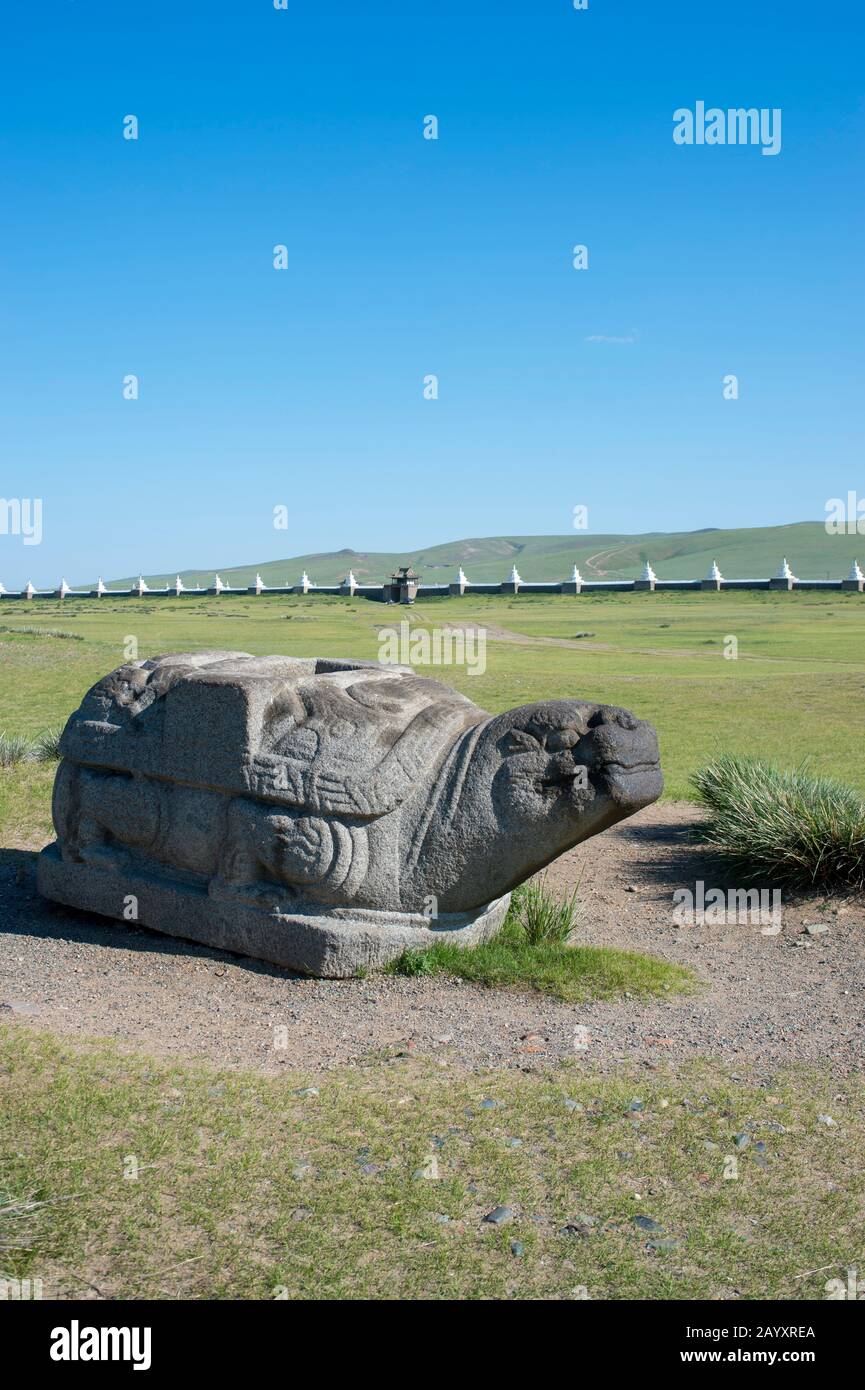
(324, 814)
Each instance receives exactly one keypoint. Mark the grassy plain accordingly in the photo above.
(160, 1181)
(793, 693)
(249, 1188)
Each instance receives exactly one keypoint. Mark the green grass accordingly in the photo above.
(797, 829)
(14, 749)
(30, 631)
(572, 973)
(25, 805)
(544, 918)
(46, 746)
(531, 951)
(246, 1188)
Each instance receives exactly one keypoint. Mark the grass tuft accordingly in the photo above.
(532, 952)
(42, 631)
(14, 748)
(543, 917)
(16, 1222)
(799, 830)
(46, 747)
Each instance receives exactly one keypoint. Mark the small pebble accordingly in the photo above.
(646, 1223)
(498, 1216)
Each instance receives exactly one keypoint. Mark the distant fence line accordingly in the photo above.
(400, 589)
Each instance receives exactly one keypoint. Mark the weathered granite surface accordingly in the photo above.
(324, 814)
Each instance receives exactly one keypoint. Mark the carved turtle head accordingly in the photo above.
(528, 785)
(567, 757)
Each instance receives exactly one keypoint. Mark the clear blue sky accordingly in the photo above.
(407, 257)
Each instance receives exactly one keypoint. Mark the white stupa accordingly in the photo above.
(855, 572)
(462, 579)
(648, 576)
(64, 589)
(305, 582)
(259, 584)
(218, 584)
(576, 577)
(785, 571)
(3, 589)
(714, 573)
(140, 587)
(514, 577)
(179, 585)
(100, 587)
(30, 590)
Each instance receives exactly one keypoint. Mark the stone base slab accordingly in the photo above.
(334, 944)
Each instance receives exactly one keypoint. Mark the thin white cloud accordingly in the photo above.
(605, 338)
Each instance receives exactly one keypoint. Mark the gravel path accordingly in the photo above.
(766, 1000)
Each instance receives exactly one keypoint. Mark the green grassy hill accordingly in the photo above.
(742, 554)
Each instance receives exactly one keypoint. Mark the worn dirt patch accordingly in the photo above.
(765, 1001)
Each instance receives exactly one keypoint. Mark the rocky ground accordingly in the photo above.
(764, 999)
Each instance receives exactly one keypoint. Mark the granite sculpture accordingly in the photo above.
(322, 814)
